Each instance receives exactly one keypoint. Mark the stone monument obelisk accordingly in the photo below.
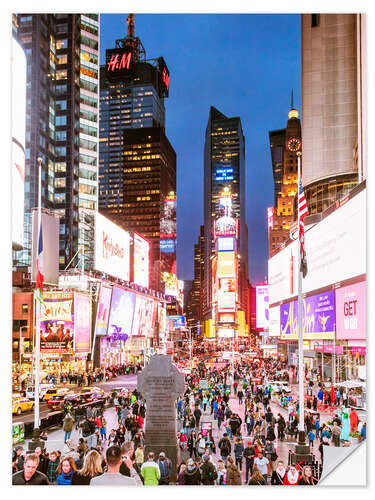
(160, 384)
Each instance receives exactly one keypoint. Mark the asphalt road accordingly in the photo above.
(129, 381)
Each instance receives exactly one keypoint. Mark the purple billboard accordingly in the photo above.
(318, 318)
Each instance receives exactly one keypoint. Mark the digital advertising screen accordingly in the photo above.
(162, 318)
(57, 322)
(226, 265)
(112, 248)
(82, 323)
(318, 318)
(122, 312)
(171, 284)
(102, 313)
(351, 312)
(141, 261)
(226, 298)
(144, 317)
(262, 303)
(225, 244)
(179, 321)
(119, 63)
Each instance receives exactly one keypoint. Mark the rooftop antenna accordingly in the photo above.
(291, 103)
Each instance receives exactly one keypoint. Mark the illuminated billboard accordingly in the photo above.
(171, 284)
(335, 251)
(119, 63)
(82, 323)
(226, 264)
(18, 142)
(102, 313)
(168, 246)
(179, 321)
(270, 214)
(223, 174)
(57, 323)
(141, 251)
(225, 333)
(112, 248)
(351, 312)
(225, 244)
(144, 317)
(226, 297)
(318, 318)
(262, 309)
(226, 317)
(122, 312)
(163, 77)
(274, 323)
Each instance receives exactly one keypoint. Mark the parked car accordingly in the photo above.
(20, 405)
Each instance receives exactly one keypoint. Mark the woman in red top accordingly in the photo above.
(292, 477)
(140, 421)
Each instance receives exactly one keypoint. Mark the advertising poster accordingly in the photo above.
(141, 261)
(144, 317)
(102, 314)
(226, 300)
(171, 284)
(57, 322)
(82, 323)
(112, 248)
(262, 311)
(318, 318)
(351, 312)
(179, 321)
(122, 312)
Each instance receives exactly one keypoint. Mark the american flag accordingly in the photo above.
(39, 268)
(302, 211)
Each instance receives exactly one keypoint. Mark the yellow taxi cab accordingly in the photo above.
(21, 404)
(52, 393)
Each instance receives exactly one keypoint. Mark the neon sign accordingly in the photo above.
(165, 77)
(224, 174)
(117, 63)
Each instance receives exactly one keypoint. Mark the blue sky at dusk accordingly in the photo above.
(243, 64)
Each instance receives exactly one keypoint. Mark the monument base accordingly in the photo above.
(302, 450)
(36, 441)
(172, 452)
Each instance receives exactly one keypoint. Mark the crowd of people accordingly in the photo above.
(247, 439)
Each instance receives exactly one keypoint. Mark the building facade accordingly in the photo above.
(224, 172)
(285, 172)
(137, 187)
(62, 52)
(333, 110)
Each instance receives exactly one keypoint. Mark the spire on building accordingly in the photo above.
(293, 113)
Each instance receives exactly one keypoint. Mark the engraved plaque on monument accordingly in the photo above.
(160, 383)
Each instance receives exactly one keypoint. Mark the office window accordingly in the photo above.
(25, 308)
(315, 20)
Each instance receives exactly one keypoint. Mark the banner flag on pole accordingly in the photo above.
(39, 268)
(302, 209)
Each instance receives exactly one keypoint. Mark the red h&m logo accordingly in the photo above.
(116, 63)
(165, 78)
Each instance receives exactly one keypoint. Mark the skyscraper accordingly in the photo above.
(333, 110)
(137, 186)
(285, 144)
(61, 126)
(224, 171)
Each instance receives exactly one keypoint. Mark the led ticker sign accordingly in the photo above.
(167, 246)
(224, 174)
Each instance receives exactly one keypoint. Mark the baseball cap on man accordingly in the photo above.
(162, 454)
(190, 461)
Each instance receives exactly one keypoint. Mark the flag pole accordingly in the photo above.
(37, 322)
(301, 371)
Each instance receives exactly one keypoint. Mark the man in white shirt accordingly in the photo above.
(263, 465)
(113, 477)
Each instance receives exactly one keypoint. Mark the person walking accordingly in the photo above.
(29, 475)
(233, 474)
(150, 471)
(257, 478)
(52, 465)
(65, 471)
(262, 464)
(165, 468)
(225, 448)
(192, 474)
(68, 424)
(113, 476)
(336, 431)
(208, 471)
(278, 474)
(92, 467)
(249, 455)
(238, 452)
